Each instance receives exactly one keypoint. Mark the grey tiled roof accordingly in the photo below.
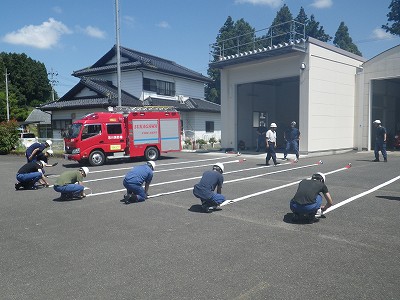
(38, 116)
(106, 95)
(141, 61)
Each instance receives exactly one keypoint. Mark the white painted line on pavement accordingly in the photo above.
(275, 188)
(361, 195)
(197, 177)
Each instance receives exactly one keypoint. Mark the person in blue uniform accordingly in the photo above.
(292, 137)
(261, 131)
(380, 141)
(133, 182)
(29, 174)
(205, 189)
(308, 200)
(36, 149)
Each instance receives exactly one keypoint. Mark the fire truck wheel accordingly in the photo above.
(96, 158)
(151, 153)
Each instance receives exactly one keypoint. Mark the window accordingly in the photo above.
(114, 129)
(91, 130)
(159, 86)
(209, 126)
(61, 124)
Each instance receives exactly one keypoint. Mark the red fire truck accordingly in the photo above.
(124, 133)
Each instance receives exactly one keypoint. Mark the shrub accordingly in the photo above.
(200, 142)
(8, 136)
(212, 140)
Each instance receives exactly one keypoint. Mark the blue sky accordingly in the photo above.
(68, 35)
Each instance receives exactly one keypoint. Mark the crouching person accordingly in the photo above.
(306, 204)
(204, 190)
(70, 184)
(133, 182)
(29, 174)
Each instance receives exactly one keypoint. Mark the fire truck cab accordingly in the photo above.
(123, 133)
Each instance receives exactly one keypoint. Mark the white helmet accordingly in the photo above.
(50, 152)
(293, 123)
(319, 176)
(49, 142)
(85, 170)
(273, 125)
(151, 164)
(377, 122)
(219, 167)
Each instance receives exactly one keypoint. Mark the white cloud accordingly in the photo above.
(322, 3)
(94, 32)
(272, 3)
(381, 34)
(163, 24)
(42, 36)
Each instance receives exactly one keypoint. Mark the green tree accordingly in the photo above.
(28, 84)
(311, 27)
(281, 29)
(394, 17)
(314, 30)
(8, 136)
(233, 38)
(343, 40)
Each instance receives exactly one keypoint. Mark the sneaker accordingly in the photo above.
(284, 158)
(376, 160)
(216, 208)
(319, 213)
(127, 198)
(18, 186)
(296, 160)
(276, 163)
(205, 208)
(267, 163)
(130, 198)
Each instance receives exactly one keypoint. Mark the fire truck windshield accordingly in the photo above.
(74, 130)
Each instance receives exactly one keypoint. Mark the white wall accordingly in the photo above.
(331, 100)
(196, 122)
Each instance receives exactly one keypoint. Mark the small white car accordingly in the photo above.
(26, 139)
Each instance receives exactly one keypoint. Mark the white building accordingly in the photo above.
(145, 80)
(314, 84)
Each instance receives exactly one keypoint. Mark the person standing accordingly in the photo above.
(70, 184)
(205, 189)
(36, 149)
(261, 131)
(380, 141)
(29, 174)
(308, 200)
(292, 137)
(133, 182)
(271, 144)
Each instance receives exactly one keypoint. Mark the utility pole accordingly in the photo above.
(8, 108)
(118, 52)
(53, 82)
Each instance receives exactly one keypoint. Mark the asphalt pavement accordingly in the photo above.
(166, 248)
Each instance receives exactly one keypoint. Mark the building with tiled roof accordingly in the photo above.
(146, 80)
